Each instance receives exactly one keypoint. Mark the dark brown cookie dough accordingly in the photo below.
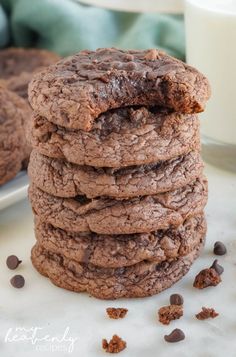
(17, 66)
(114, 216)
(139, 280)
(63, 179)
(123, 137)
(14, 151)
(75, 91)
(114, 251)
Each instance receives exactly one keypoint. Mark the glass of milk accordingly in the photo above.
(211, 48)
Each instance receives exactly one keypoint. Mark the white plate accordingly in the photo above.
(14, 191)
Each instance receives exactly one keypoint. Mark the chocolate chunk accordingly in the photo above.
(17, 281)
(206, 313)
(219, 248)
(176, 299)
(169, 313)
(116, 313)
(13, 262)
(206, 277)
(218, 268)
(175, 336)
(115, 345)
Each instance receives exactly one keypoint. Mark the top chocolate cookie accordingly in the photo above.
(76, 90)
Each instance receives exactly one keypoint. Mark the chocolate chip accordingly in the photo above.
(17, 281)
(176, 299)
(218, 268)
(219, 248)
(13, 262)
(175, 336)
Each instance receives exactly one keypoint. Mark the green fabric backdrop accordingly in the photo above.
(65, 26)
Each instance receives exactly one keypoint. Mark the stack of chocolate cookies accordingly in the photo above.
(117, 185)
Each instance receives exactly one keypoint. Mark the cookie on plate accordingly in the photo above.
(17, 66)
(14, 151)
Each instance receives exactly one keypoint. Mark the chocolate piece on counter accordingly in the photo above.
(206, 277)
(13, 262)
(206, 313)
(17, 281)
(176, 299)
(218, 268)
(115, 345)
(175, 336)
(219, 248)
(169, 313)
(116, 313)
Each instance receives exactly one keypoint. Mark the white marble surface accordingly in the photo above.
(40, 304)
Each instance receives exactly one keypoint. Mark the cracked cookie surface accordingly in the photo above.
(116, 251)
(63, 179)
(75, 91)
(123, 137)
(139, 280)
(117, 216)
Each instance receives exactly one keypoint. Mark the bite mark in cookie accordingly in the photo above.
(75, 91)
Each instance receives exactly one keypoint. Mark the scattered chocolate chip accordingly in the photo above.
(176, 299)
(175, 336)
(168, 313)
(206, 277)
(115, 345)
(17, 281)
(218, 268)
(116, 313)
(12, 262)
(206, 313)
(219, 248)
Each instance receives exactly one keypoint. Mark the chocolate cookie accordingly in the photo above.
(63, 179)
(17, 66)
(115, 251)
(14, 151)
(122, 137)
(139, 280)
(114, 216)
(75, 91)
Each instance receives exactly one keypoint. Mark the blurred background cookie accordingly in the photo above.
(17, 66)
(14, 151)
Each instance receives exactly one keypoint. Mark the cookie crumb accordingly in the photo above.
(206, 313)
(206, 277)
(152, 55)
(116, 313)
(115, 345)
(168, 313)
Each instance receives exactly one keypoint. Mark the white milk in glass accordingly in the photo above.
(211, 47)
